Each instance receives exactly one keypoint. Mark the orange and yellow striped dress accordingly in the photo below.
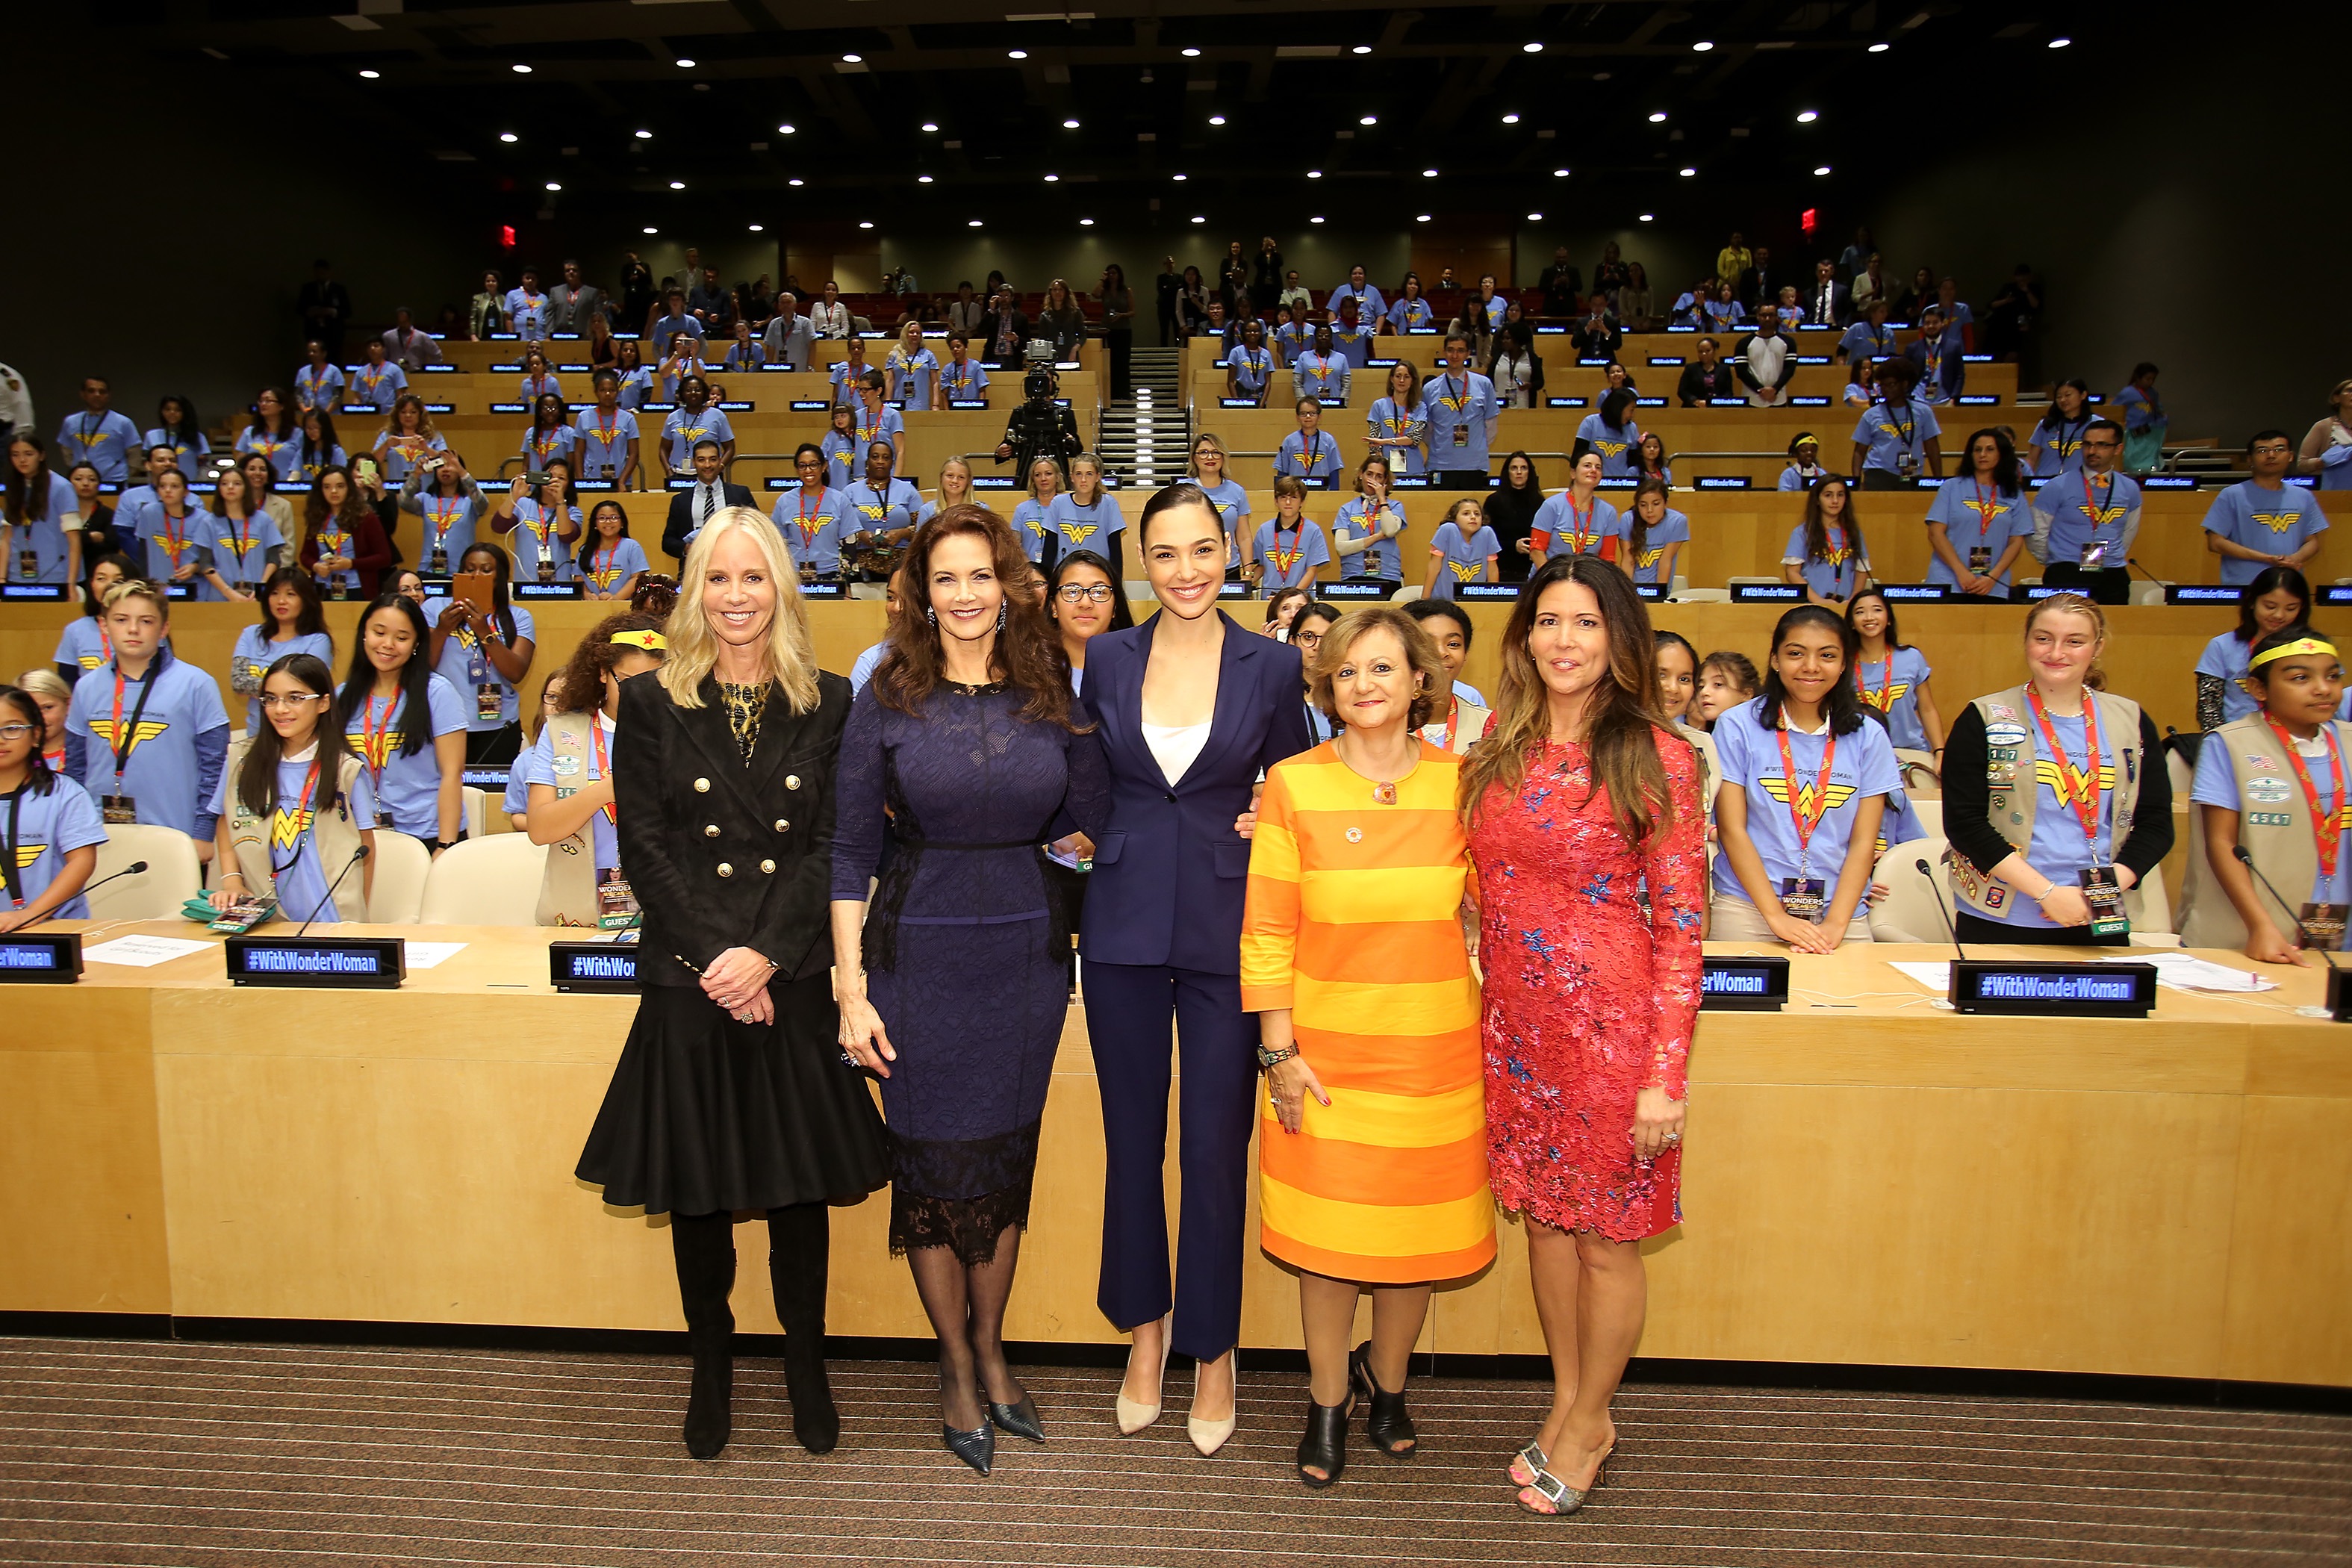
(1351, 925)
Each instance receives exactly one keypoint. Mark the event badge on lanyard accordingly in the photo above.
(1980, 554)
(543, 533)
(1461, 407)
(2094, 550)
(445, 517)
(1805, 895)
(119, 808)
(2320, 925)
(616, 906)
(2081, 791)
(489, 696)
(331, 548)
(377, 739)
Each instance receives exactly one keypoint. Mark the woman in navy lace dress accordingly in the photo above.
(965, 734)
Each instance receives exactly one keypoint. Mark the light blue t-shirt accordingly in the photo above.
(1252, 368)
(862, 670)
(636, 385)
(603, 451)
(537, 766)
(1359, 518)
(1321, 377)
(467, 669)
(964, 382)
(1895, 692)
(2216, 783)
(541, 448)
(532, 521)
(1831, 576)
(1354, 344)
(1891, 433)
(1233, 514)
(2276, 523)
(240, 548)
(1861, 341)
(377, 385)
(105, 441)
(46, 538)
(910, 379)
(319, 388)
(1287, 558)
(172, 756)
(1461, 412)
(1386, 420)
(448, 524)
(2060, 443)
(865, 507)
(1749, 757)
(811, 527)
(397, 463)
(1323, 461)
(250, 662)
(407, 789)
(1029, 527)
(1409, 316)
(1620, 449)
(1088, 527)
(1572, 535)
(2058, 850)
(51, 825)
(1980, 521)
(1463, 559)
(682, 431)
(2226, 659)
(280, 450)
(1793, 478)
(2076, 520)
(607, 564)
(179, 443)
(1672, 529)
(302, 882)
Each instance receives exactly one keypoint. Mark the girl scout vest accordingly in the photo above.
(1709, 770)
(335, 840)
(2274, 823)
(2014, 787)
(567, 891)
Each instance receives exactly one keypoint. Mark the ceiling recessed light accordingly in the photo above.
(1535, 217)
(1429, 173)
(1878, 48)
(759, 228)
(1531, 48)
(1559, 173)
(1085, 223)
(1368, 119)
(1361, 49)
(1659, 117)
(1204, 220)
(786, 129)
(1216, 120)
(650, 229)
(1314, 173)
(1648, 216)
(1069, 125)
(509, 136)
(686, 65)
(521, 69)
(1315, 220)
(1051, 179)
(370, 76)
(1808, 116)
(1701, 47)
(867, 223)
(1192, 54)
(1016, 54)
(678, 185)
(1178, 177)
(1600, 76)
(853, 60)
(973, 223)
(1510, 120)
(930, 125)
(795, 183)
(552, 185)
(1821, 169)
(647, 135)
(1686, 173)
(2060, 43)
(1421, 217)
(922, 179)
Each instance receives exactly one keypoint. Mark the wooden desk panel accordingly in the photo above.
(1869, 1179)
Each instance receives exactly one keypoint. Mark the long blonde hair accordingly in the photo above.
(694, 648)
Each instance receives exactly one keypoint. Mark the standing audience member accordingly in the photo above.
(1981, 521)
(484, 651)
(237, 541)
(1653, 535)
(1367, 527)
(292, 621)
(320, 383)
(177, 427)
(52, 697)
(1705, 377)
(1611, 432)
(1825, 555)
(1309, 452)
(2084, 521)
(2278, 597)
(54, 828)
(324, 306)
(294, 783)
(1576, 521)
(1897, 438)
(1768, 359)
(613, 566)
(411, 348)
(1890, 675)
(567, 775)
(542, 526)
(152, 731)
(2327, 448)
(1396, 422)
(92, 532)
(273, 433)
(99, 435)
(443, 494)
(344, 546)
(1462, 549)
(1459, 412)
(2055, 447)
(84, 646)
(406, 723)
(2144, 420)
(2263, 521)
(34, 529)
(1511, 509)
(1288, 546)
(1804, 470)
(1938, 358)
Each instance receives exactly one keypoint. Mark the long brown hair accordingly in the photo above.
(1027, 655)
(580, 684)
(1623, 738)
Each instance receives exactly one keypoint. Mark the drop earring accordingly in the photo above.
(1000, 617)
(931, 616)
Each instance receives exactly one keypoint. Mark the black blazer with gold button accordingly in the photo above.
(721, 854)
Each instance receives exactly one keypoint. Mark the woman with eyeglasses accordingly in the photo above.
(294, 804)
(1314, 618)
(1082, 602)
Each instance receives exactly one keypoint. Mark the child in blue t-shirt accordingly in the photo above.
(1372, 517)
(53, 827)
(1289, 545)
(1654, 533)
(1463, 549)
(1825, 552)
(1890, 675)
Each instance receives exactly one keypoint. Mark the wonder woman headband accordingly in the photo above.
(650, 641)
(2287, 650)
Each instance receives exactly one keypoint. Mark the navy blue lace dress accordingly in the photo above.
(967, 952)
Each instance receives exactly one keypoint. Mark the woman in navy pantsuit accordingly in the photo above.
(1190, 710)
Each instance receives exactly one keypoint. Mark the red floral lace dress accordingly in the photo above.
(1591, 950)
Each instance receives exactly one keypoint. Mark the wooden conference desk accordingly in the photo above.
(1870, 1180)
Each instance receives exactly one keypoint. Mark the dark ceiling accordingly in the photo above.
(857, 81)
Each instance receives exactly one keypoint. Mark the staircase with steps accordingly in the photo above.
(1146, 439)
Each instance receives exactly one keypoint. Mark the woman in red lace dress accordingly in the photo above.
(1585, 827)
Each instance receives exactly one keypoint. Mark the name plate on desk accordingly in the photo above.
(1743, 984)
(490, 778)
(591, 966)
(1333, 592)
(1654, 592)
(1566, 403)
(30, 959)
(1979, 400)
(1233, 591)
(1468, 591)
(1917, 592)
(1808, 403)
(2057, 989)
(530, 589)
(981, 403)
(20, 593)
(994, 482)
(2172, 482)
(1724, 482)
(1767, 593)
(509, 408)
(1649, 402)
(809, 404)
(367, 963)
(825, 591)
(2200, 594)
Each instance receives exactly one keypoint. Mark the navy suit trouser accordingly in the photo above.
(1128, 1010)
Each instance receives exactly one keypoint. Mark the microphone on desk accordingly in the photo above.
(2293, 918)
(358, 854)
(135, 868)
(2133, 561)
(1928, 874)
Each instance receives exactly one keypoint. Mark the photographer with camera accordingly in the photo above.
(1040, 428)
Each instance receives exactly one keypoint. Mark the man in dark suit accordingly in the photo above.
(690, 508)
(571, 302)
(1003, 332)
(325, 306)
(1760, 284)
(1827, 302)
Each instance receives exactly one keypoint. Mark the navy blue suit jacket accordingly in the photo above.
(1170, 872)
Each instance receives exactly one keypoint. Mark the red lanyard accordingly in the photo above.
(1884, 702)
(2097, 514)
(1287, 557)
(600, 566)
(1986, 506)
(444, 515)
(809, 533)
(173, 544)
(373, 733)
(301, 823)
(596, 742)
(2081, 789)
(542, 525)
(1806, 807)
(1583, 534)
(2327, 828)
(608, 421)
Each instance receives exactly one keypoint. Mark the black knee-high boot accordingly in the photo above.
(705, 1248)
(799, 1239)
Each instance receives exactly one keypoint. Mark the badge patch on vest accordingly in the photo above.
(2267, 791)
(2005, 735)
(2259, 762)
(2270, 819)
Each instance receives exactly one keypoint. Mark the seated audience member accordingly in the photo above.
(1896, 437)
(1804, 468)
(1690, 305)
(486, 654)
(2299, 679)
(1462, 549)
(1891, 677)
(1725, 679)
(1936, 358)
(2084, 521)
(1249, 369)
(1861, 383)
(568, 770)
(1578, 521)
(1791, 308)
(2263, 521)
(962, 379)
(1449, 626)
(409, 347)
(1289, 545)
(343, 547)
(612, 564)
(1869, 338)
(1825, 554)
(542, 525)
(1319, 372)
(443, 494)
(692, 505)
(1653, 534)
(1981, 519)
(2327, 448)
(605, 438)
(54, 828)
(320, 383)
(2276, 597)
(1768, 359)
(1705, 377)
(178, 427)
(1725, 312)
(1367, 527)
(99, 435)
(292, 621)
(151, 727)
(2144, 422)
(1598, 335)
(406, 723)
(2030, 864)
(1310, 451)
(293, 784)
(2055, 447)
(1792, 864)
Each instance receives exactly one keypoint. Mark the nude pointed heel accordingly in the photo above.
(1134, 1415)
(1209, 1437)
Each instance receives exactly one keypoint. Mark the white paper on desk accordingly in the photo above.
(425, 954)
(1936, 976)
(142, 951)
(2185, 971)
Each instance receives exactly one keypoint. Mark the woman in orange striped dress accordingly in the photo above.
(1372, 1140)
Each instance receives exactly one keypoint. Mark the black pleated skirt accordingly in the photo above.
(705, 1114)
